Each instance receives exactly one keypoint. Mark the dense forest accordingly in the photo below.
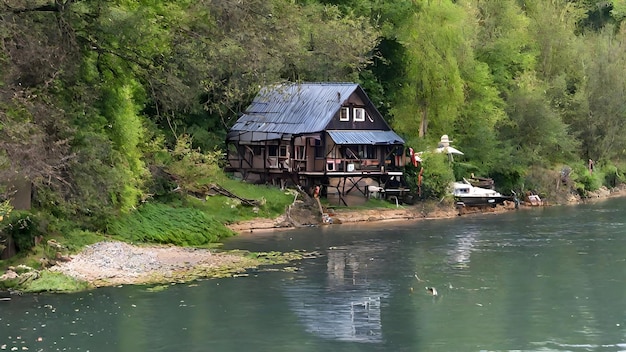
(105, 104)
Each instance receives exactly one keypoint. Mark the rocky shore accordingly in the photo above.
(116, 263)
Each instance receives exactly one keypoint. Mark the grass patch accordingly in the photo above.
(76, 240)
(159, 223)
(29, 258)
(227, 210)
(55, 282)
(371, 203)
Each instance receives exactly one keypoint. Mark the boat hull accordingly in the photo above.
(476, 201)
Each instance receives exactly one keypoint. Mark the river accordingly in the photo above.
(545, 279)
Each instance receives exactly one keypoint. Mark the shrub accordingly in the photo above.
(612, 176)
(586, 181)
(437, 175)
(23, 227)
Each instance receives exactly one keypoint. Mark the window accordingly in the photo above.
(283, 151)
(350, 153)
(344, 114)
(367, 152)
(300, 152)
(359, 114)
(319, 149)
(272, 150)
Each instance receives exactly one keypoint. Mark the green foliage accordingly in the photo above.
(541, 135)
(475, 129)
(97, 182)
(75, 240)
(193, 169)
(438, 175)
(227, 210)
(126, 133)
(602, 129)
(23, 227)
(585, 181)
(159, 223)
(339, 45)
(465, 170)
(612, 176)
(88, 107)
(508, 180)
(5, 209)
(49, 281)
(433, 91)
(504, 42)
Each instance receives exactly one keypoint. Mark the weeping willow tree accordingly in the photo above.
(432, 93)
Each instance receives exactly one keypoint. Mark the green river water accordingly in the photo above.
(545, 279)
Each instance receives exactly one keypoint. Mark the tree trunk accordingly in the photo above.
(9, 250)
(423, 123)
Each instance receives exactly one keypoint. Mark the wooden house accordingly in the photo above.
(316, 134)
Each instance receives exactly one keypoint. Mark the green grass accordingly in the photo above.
(227, 210)
(369, 204)
(160, 223)
(77, 239)
(55, 282)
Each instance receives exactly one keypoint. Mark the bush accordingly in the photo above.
(437, 175)
(23, 227)
(612, 176)
(586, 181)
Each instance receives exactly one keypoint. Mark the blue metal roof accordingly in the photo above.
(283, 110)
(294, 108)
(365, 137)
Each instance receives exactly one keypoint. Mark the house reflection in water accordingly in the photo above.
(347, 306)
(459, 256)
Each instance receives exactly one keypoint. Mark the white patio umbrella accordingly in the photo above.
(449, 150)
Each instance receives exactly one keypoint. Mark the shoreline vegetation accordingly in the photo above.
(113, 125)
(113, 263)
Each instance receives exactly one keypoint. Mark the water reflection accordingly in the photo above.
(548, 279)
(459, 254)
(347, 307)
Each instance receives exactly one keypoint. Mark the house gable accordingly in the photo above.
(357, 112)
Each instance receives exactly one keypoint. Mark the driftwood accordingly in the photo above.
(217, 189)
(482, 182)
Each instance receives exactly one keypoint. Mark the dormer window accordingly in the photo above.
(359, 114)
(344, 114)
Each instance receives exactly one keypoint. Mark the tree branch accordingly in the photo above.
(41, 8)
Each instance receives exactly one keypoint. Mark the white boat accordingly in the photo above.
(469, 195)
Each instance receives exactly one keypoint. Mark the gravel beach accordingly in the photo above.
(114, 263)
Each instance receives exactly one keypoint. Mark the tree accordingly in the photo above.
(535, 130)
(433, 92)
(602, 128)
(503, 40)
(33, 134)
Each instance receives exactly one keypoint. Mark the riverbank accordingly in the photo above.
(422, 210)
(112, 263)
